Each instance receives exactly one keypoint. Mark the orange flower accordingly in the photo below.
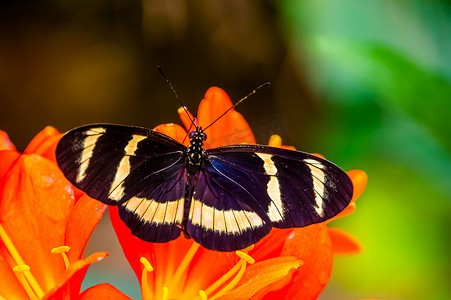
(230, 129)
(44, 224)
(286, 264)
(5, 143)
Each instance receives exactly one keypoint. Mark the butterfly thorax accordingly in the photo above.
(195, 149)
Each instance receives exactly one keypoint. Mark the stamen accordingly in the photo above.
(145, 289)
(232, 283)
(249, 248)
(62, 250)
(165, 293)
(203, 295)
(184, 265)
(30, 280)
(20, 271)
(223, 278)
(238, 269)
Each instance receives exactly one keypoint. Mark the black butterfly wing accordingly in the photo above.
(140, 170)
(220, 217)
(244, 190)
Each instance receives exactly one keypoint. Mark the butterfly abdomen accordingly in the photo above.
(189, 190)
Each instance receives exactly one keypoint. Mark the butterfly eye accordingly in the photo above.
(192, 134)
(205, 136)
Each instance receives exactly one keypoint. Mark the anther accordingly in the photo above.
(62, 250)
(203, 295)
(21, 268)
(146, 264)
(246, 257)
(145, 289)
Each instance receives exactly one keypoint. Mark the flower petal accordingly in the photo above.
(345, 212)
(312, 245)
(166, 258)
(198, 277)
(343, 243)
(5, 142)
(174, 131)
(271, 245)
(103, 291)
(70, 283)
(83, 218)
(359, 180)
(44, 143)
(40, 139)
(168, 254)
(262, 275)
(319, 155)
(131, 245)
(231, 128)
(48, 148)
(186, 118)
(7, 158)
(36, 201)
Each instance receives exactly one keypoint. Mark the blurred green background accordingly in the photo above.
(365, 83)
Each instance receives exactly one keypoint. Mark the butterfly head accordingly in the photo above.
(197, 136)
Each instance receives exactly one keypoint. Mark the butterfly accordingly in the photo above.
(226, 198)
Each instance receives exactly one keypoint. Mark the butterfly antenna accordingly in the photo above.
(176, 96)
(241, 100)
